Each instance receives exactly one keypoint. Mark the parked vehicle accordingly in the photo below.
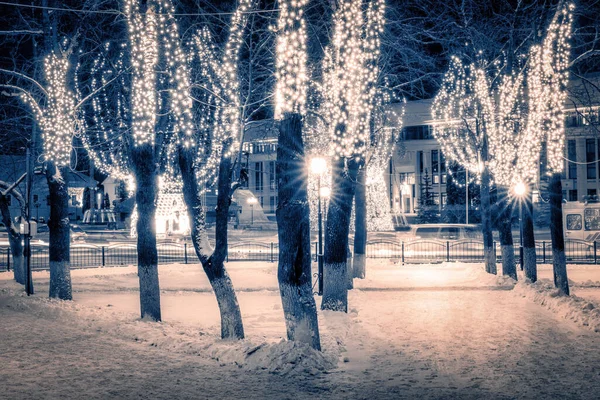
(446, 232)
(581, 220)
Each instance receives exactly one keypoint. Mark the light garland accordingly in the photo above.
(57, 119)
(143, 39)
(473, 114)
(221, 114)
(290, 96)
(547, 84)
(350, 69)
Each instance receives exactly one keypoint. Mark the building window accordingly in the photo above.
(572, 157)
(419, 132)
(442, 163)
(420, 156)
(258, 176)
(436, 199)
(260, 201)
(444, 199)
(407, 178)
(590, 158)
(591, 192)
(435, 163)
(572, 195)
(273, 203)
(272, 180)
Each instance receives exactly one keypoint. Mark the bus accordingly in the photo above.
(581, 220)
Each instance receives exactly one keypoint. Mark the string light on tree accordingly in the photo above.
(57, 119)
(350, 69)
(220, 126)
(290, 95)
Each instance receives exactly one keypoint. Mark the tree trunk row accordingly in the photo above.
(294, 269)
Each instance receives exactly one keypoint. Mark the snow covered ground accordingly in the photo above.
(432, 331)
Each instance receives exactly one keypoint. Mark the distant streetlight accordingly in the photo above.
(318, 165)
(252, 201)
(519, 190)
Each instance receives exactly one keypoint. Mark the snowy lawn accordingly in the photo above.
(432, 331)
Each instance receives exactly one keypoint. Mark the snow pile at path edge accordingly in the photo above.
(576, 309)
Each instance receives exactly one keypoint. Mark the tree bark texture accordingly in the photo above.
(486, 223)
(335, 287)
(60, 232)
(504, 213)
(144, 166)
(529, 257)
(14, 241)
(293, 226)
(213, 260)
(559, 262)
(360, 225)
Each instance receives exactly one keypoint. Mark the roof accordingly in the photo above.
(79, 180)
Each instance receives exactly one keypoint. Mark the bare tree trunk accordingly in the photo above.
(144, 167)
(213, 260)
(504, 212)
(559, 262)
(60, 232)
(293, 226)
(335, 288)
(360, 225)
(14, 241)
(529, 257)
(486, 222)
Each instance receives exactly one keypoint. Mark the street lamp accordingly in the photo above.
(252, 201)
(519, 190)
(318, 165)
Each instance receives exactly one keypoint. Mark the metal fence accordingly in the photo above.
(417, 251)
(428, 251)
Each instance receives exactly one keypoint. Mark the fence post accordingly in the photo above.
(402, 251)
(271, 251)
(185, 253)
(595, 252)
(8, 259)
(103, 257)
(447, 251)
(544, 251)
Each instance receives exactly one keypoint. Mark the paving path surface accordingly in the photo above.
(411, 344)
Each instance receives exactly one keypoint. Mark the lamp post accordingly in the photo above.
(252, 201)
(466, 195)
(318, 165)
(519, 191)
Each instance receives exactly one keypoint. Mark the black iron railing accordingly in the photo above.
(415, 251)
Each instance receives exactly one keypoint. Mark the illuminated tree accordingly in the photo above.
(350, 72)
(468, 133)
(371, 199)
(58, 121)
(130, 129)
(293, 225)
(547, 95)
(217, 141)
